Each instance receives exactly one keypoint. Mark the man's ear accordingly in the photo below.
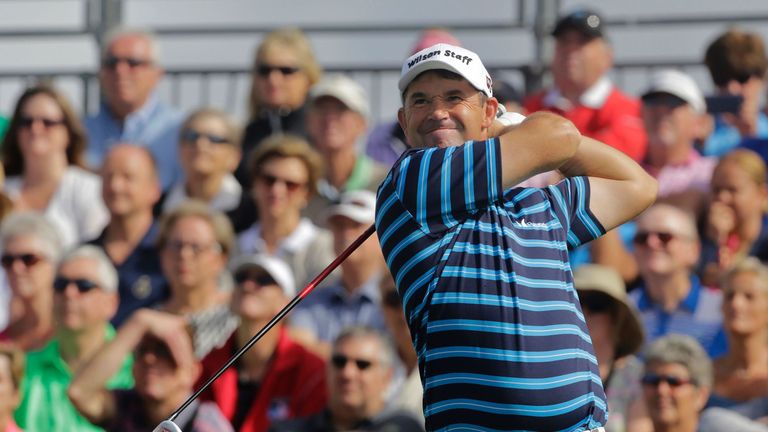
(401, 118)
(491, 105)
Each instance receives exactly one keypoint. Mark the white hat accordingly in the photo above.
(677, 84)
(447, 57)
(343, 88)
(358, 205)
(276, 268)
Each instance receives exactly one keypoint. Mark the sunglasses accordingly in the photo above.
(178, 246)
(671, 380)
(60, 284)
(339, 361)
(260, 279)
(266, 70)
(112, 62)
(596, 302)
(391, 299)
(27, 122)
(641, 238)
(191, 136)
(270, 180)
(27, 259)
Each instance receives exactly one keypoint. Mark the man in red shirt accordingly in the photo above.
(582, 91)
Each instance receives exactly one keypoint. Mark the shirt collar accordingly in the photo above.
(594, 97)
(689, 303)
(369, 291)
(227, 198)
(300, 237)
(142, 115)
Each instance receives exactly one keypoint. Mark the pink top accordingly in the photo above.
(11, 426)
(695, 173)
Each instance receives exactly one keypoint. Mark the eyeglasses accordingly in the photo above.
(671, 380)
(339, 361)
(265, 70)
(178, 246)
(112, 62)
(270, 180)
(27, 259)
(191, 136)
(641, 238)
(60, 284)
(261, 279)
(27, 122)
(391, 299)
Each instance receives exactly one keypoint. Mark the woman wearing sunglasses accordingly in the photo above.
(31, 249)
(285, 171)
(43, 159)
(209, 150)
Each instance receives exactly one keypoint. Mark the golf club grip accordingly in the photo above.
(310, 286)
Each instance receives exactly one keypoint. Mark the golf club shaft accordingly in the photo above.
(311, 286)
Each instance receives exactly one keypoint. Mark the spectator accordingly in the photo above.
(164, 369)
(31, 249)
(285, 173)
(676, 383)
(283, 72)
(670, 297)
(337, 119)
(12, 364)
(617, 334)
(737, 64)
(130, 188)
(741, 375)
(277, 378)
(358, 376)
(582, 91)
(195, 243)
(674, 117)
(736, 223)
(386, 141)
(131, 110)
(409, 394)
(43, 159)
(354, 300)
(209, 150)
(84, 301)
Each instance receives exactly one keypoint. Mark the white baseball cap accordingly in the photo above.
(678, 84)
(447, 57)
(343, 88)
(358, 205)
(275, 267)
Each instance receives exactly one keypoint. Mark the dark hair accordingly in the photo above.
(13, 162)
(736, 55)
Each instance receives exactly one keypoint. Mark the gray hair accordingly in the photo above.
(107, 275)
(683, 350)
(118, 32)
(387, 355)
(35, 225)
(750, 265)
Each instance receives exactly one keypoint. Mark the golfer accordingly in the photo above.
(482, 267)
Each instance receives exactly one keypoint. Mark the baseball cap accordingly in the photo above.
(343, 88)
(603, 279)
(584, 21)
(275, 267)
(678, 84)
(447, 57)
(358, 205)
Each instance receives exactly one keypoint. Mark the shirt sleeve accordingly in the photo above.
(570, 201)
(441, 187)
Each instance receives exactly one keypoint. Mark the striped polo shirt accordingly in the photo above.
(488, 292)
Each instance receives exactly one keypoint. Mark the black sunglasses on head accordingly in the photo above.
(339, 361)
(60, 284)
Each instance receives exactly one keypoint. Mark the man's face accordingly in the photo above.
(28, 267)
(191, 256)
(444, 112)
(669, 123)
(79, 302)
(579, 60)
(129, 184)
(128, 73)
(665, 243)
(673, 400)
(205, 151)
(257, 296)
(333, 126)
(358, 379)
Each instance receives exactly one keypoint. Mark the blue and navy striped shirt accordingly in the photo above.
(488, 292)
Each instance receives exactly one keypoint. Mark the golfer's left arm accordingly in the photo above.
(620, 189)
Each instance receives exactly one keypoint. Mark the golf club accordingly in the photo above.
(169, 425)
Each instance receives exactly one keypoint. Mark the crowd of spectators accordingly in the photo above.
(142, 247)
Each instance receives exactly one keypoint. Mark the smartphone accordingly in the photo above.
(724, 104)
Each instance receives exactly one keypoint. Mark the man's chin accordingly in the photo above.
(443, 138)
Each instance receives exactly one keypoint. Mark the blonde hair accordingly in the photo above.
(749, 162)
(749, 265)
(233, 128)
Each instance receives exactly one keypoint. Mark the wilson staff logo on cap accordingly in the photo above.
(447, 57)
